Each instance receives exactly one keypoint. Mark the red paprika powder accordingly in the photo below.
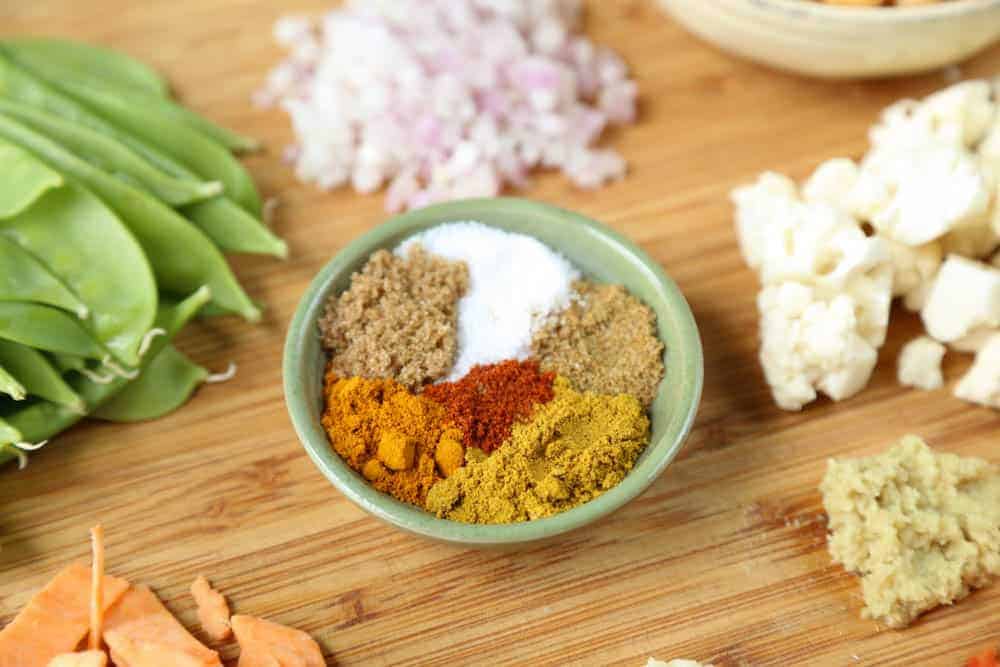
(489, 399)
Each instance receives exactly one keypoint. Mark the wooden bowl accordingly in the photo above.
(835, 41)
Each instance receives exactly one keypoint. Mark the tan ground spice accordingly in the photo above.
(397, 319)
(604, 342)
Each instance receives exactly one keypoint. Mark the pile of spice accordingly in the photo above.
(397, 319)
(473, 374)
(604, 342)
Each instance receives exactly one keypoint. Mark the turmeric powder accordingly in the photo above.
(400, 442)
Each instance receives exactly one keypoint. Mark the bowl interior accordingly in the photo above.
(602, 256)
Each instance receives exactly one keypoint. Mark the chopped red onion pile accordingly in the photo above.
(445, 99)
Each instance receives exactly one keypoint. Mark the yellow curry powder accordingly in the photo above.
(575, 447)
(397, 440)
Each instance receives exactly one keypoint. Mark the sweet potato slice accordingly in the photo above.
(81, 659)
(141, 632)
(56, 620)
(134, 653)
(266, 644)
(213, 612)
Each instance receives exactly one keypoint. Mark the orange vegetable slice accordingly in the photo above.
(56, 619)
(266, 644)
(987, 658)
(213, 612)
(82, 659)
(141, 632)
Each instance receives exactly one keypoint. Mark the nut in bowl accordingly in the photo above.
(596, 254)
(841, 41)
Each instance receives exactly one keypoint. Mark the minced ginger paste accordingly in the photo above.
(574, 448)
(921, 528)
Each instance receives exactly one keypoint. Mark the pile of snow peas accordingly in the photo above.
(116, 207)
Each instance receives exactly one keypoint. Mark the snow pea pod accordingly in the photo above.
(164, 385)
(42, 420)
(226, 224)
(200, 154)
(182, 257)
(47, 328)
(38, 376)
(111, 155)
(9, 386)
(8, 434)
(24, 180)
(232, 229)
(73, 232)
(24, 278)
(60, 58)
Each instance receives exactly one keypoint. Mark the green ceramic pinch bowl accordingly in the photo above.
(603, 256)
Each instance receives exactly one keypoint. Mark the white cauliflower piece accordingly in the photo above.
(832, 182)
(818, 244)
(959, 115)
(981, 384)
(809, 342)
(965, 297)
(758, 206)
(653, 662)
(919, 364)
(913, 268)
(918, 194)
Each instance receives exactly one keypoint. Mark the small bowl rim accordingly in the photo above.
(416, 520)
(947, 9)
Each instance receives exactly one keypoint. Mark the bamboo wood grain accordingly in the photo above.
(723, 559)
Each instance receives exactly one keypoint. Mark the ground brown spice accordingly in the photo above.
(489, 399)
(604, 342)
(397, 319)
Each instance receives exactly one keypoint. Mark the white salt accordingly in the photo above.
(515, 283)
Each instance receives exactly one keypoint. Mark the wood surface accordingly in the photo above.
(723, 559)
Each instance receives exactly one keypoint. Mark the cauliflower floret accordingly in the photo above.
(981, 384)
(965, 296)
(913, 268)
(818, 244)
(758, 205)
(919, 364)
(959, 115)
(832, 182)
(786, 239)
(809, 342)
(677, 662)
(918, 194)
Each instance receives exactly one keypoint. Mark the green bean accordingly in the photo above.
(180, 254)
(85, 245)
(38, 376)
(165, 385)
(8, 434)
(95, 65)
(24, 180)
(42, 419)
(232, 229)
(111, 155)
(9, 386)
(24, 278)
(47, 328)
(225, 223)
(65, 363)
(187, 146)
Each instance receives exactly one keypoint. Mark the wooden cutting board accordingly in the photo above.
(723, 559)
